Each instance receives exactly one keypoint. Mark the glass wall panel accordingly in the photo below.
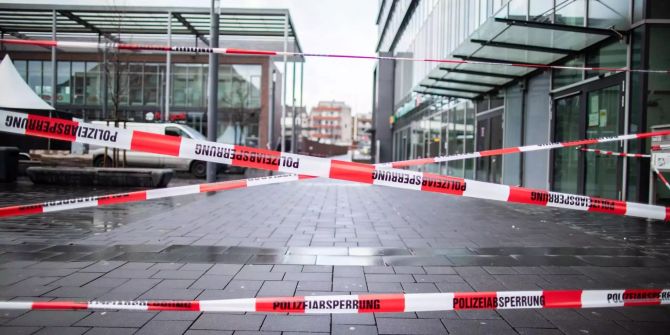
(570, 12)
(179, 84)
(47, 74)
(565, 161)
(611, 56)
(469, 139)
(63, 83)
(658, 9)
(135, 86)
(22, 68)
(658, 101)
(638, 10)
(118, 84)
(608, 13)
(564, 77)
(540, 10)
(518, 9)
(35, 76)
(78, 82)
(636, 111)
(93, 72)
(196, 84)
(151, 84)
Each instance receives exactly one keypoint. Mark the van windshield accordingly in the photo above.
(194, 133)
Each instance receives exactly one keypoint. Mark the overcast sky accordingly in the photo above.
(322, 26)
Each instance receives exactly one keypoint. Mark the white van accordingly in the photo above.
(144, 159)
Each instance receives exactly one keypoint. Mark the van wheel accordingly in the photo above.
(103, 161)
(199, 169)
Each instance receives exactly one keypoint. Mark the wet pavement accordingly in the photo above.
(317, 237)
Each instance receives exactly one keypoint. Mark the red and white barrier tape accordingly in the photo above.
(378, 303)
(120, 198)
(660, 176)
(527, 148)
(232, 51)
(125, 139)
(659, 147)
(613, 153)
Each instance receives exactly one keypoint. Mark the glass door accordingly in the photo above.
(566, 128)
(603, 119)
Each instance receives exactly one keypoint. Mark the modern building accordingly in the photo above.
(362, 123)
(426, 109)
(140, 86)
(301, 122)
(331, 123)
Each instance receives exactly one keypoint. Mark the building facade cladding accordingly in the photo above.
(542, 106)
(331, 122)
(243, 90)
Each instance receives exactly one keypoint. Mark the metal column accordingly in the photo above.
(168, 70)
(302, 77)
(271, 116)
(213, 84)
(285, 74)
(294, 142)
(54, 68)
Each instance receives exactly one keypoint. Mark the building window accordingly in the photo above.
(151, 85)
(93, 83)
(78, 82)
(63, 83)
(570, 12)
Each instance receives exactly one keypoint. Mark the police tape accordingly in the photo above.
(522, 149)
(659, 147)
(660, 176)
(250, 52)
(137, 196)
(613, 153)
(377, 303)
(125, 139)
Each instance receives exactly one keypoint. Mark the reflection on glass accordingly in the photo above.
(610, 56)
(78, 82)
(469, 139)
(92, 92)
(564, 77)
(47, 74)
(658, 100)
(658, 9)
(565, 161)
(63, 82)
(151, 85)
(540, 10)
(609, 13)
(135, 84)
(602, 117)
(35, 76)
(570, 12)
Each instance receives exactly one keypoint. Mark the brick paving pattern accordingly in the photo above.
(319, 237)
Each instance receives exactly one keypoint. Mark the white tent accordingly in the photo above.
(14, 92)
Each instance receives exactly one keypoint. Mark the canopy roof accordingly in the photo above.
(14, 92)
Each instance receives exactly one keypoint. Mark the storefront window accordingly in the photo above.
(179, 84)
(47, 74)
(93, 83)
(239, 98)
(658, 9)
(78, 82)
(151, 85)
(135, 84)
(63, 83)
(21, 68)
(469, 135)
(35, 76)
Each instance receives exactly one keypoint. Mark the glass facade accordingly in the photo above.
(138, 87)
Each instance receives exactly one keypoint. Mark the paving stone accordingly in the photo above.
(178, 274)
(353, 319)
(111, 331)
(410, 326)
(277, 289)
(62, 331)
(308, 276)
(77, 279)
(349, 284)
(126, 319)
(477, 327)
(389, 278)
(49, 318)
(316, 323)
(354, 329)
(19, 330)
(228, 322)
(211, 282)
(348, 271)
(164, 327)
(584, 326)
(314, 286)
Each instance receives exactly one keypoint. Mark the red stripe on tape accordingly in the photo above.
(258, 158)
(641, 297)
(387, 303)
(59, 129)
(249, 52)
(173, 306)
(43, 43)
(580, 142)
(656, 133)
(59, 305)
(667, 213)
(413, 162)
(600, 205)
(475, 300)
(503, 151)
(306, 177)
(122, 198)
(562, 299)
(443, 184)
(155, 143)
(351, 171)
(528, 196)
(21, 210)
(288, 304)
(226, 185)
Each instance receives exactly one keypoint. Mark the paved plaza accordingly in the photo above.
(318, 237)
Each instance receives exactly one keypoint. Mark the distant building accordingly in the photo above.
(362, 125)
(331, 123)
